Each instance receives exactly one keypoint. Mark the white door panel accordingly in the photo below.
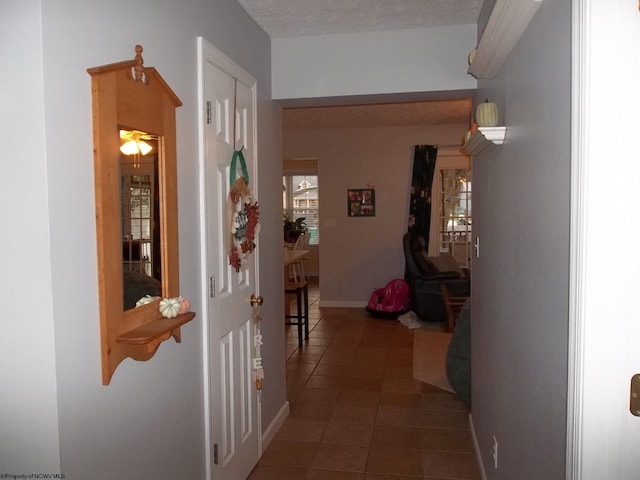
(232, 401)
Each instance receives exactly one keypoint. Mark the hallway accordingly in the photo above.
(356, 411)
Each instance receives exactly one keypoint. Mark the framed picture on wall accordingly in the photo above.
(361, 202)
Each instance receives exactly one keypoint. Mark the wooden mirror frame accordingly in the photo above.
(131, 95)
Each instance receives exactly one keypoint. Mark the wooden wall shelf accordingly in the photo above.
(143, 341)
(150, 333)
(483, 139)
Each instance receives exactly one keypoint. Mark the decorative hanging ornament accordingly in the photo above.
(242, 214)
(258, 369)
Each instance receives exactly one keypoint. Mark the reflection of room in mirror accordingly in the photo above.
(140, 215)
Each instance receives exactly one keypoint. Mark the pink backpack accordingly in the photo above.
(392, 299)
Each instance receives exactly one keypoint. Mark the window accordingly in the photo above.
(300, 200)
(454, 219)
(137, 216)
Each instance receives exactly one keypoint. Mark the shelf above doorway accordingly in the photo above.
(484, 139)
(507, 22)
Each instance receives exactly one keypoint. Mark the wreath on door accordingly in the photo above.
(242, 214)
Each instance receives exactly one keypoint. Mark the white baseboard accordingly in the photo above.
(476, 447)
(275, 425)
(338, 304)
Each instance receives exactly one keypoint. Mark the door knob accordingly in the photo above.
(255, 300)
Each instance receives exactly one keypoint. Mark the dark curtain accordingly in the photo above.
(424, 165)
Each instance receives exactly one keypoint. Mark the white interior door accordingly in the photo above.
(228, 122)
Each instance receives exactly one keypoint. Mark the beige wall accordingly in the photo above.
(360, 254)
(369, 63)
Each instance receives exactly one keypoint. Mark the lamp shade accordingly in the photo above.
(129, 148)
(144, 147)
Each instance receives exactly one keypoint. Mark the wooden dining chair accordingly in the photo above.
(296, 269)
(301, 315)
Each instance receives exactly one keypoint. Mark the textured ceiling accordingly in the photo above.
(443, 112)
(293, 18)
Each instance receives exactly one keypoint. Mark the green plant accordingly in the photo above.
(293, 228)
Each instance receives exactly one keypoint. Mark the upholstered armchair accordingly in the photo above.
(425, 274)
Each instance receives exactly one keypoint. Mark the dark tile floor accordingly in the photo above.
(356, 411)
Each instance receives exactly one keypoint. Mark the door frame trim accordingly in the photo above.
(577, 267)
(603, 125)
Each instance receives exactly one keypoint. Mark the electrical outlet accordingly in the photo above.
(495, 452)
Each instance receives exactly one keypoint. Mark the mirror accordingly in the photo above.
(140, 216)
(131, 97)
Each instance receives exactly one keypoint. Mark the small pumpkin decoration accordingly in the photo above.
(185, 305)
(472, 55)
(169, 307)
(487, 114)
(145, 300)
